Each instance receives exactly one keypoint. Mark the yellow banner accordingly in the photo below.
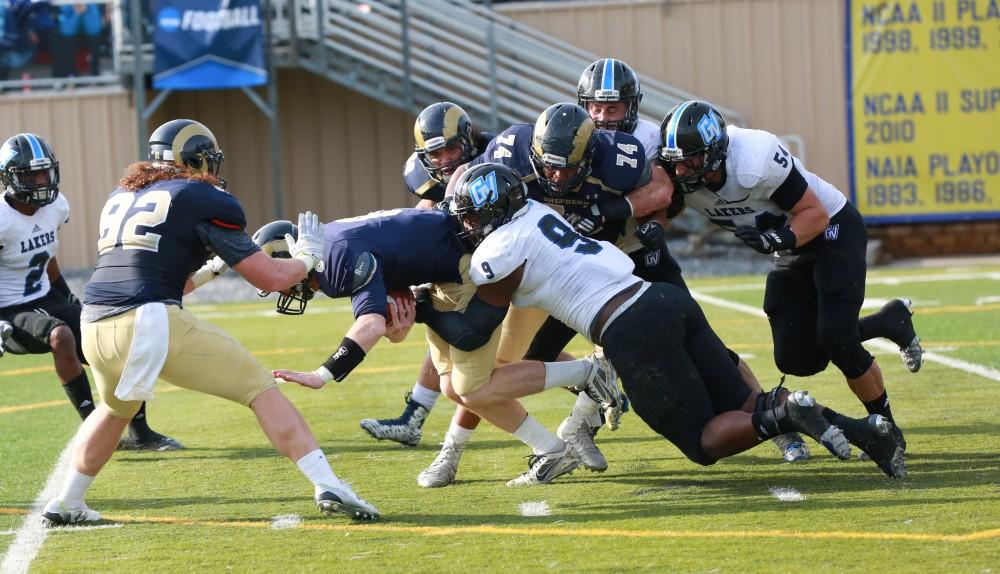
(924, 102)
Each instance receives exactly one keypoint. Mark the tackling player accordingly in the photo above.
(156, 229)
(674, 368)
(38, 311)
(746, 182)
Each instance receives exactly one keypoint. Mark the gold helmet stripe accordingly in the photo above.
(418, 135)
(536, 136)
(451, 118)
(580, 141)
(186, 133)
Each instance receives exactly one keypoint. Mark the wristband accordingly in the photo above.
(785, 238)
(343, 361)
(324, 374)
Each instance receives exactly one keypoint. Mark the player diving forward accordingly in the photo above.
(674, 368)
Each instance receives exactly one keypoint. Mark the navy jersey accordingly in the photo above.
(368, 256)
(149, 244)
(618, 166)
(420, 183)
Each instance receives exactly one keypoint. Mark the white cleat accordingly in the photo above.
(576, 431)
(57, 514)
(602, 388)
(341, 499)
(442, 471)
(544, 468)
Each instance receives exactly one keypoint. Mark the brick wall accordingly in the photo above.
(929, 239)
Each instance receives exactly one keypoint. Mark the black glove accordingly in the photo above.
(766, 241)
(424, 307)
(588, 222)
(650, 234)
(444, 205)
(60, 287)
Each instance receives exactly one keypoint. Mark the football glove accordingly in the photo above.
(766, 241)
(650, 234)
(308, 247)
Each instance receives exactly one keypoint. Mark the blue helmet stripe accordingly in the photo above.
(36, 148)
(608, 77)
(672, 126)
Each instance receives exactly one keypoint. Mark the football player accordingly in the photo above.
(368, 257)
(444, 139)
(610, 92)
(166, 216)
(38, 311)
(746, 182)
(674, 368)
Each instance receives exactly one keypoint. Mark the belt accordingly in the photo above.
(609, 308)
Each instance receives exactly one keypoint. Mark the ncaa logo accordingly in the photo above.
(708, 127)
(169, 19)
(483, 190)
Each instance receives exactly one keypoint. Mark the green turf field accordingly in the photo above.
(230, 503)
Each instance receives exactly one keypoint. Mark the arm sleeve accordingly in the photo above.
(232, 245)
(790, 191)
(469, 330)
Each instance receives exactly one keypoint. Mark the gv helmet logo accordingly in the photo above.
(483, 190)
(709, 128)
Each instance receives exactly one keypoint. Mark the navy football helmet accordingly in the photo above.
(693, 130)
(563, 138)
(29, 171)
(611, 80)
(487, 196)
(437, 127)
(271, 240)
(187, 143)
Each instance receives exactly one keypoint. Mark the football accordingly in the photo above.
(395, 297)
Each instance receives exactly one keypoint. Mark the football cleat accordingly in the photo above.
(800, 410)
(442, 471)
(406, 429)
(576, 431)
(57, 514)
(602, 388)
(879, 439)
(792, 448)
(6, 330)
(903, 333)
(341, 499)
(151, 441)
(544, 468)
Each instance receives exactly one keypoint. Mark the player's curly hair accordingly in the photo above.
(143, 174)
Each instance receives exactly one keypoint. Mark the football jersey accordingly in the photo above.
(756, 166)
(421, 184)
(148, 242)
(648, 135)
(370, 255)
(618, 166)
(27, 242)
(566, 274)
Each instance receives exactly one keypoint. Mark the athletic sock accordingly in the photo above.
(458, 435)
(138, 427)
(566, 373)
(765, 422)
(880, 406)
(75, 488)
(424, 396)
(78, 391)
(540, 439)
(317, 469)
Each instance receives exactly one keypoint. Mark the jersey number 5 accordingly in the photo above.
(125, 213)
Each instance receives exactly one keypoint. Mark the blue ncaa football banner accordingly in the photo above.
(206, 44)
(923, 97)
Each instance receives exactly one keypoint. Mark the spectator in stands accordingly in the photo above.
(27, 27)
(80, 26)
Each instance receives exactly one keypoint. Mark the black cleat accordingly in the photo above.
(800, 411)
(903, 334)
(152, 441)
(881, 440)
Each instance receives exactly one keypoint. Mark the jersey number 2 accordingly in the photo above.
(125, 213)
(33, 281)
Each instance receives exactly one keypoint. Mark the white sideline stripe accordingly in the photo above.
(787, 494)
(266, 312)
(31, 535)
(877, 280)
(981, 370)
(286, 521)
(534, 508)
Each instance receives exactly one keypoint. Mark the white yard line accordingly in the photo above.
(876, 280)
(31, 535)
(981, 370)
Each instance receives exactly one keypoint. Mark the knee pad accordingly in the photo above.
(800, 362)
(844, 348)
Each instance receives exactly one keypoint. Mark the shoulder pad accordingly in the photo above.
(365, 266)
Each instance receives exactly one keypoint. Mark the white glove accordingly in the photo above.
(210, 270)
(308, 248)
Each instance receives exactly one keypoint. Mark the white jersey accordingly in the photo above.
(27, 242)
(568, 275)
(756, 166)
(649, 134)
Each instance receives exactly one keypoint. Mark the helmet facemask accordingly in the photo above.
(564, 138)
(609, 80)
(695, 134)
(271, 239)
(486, 197)
(439, 126)
(35, 186)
